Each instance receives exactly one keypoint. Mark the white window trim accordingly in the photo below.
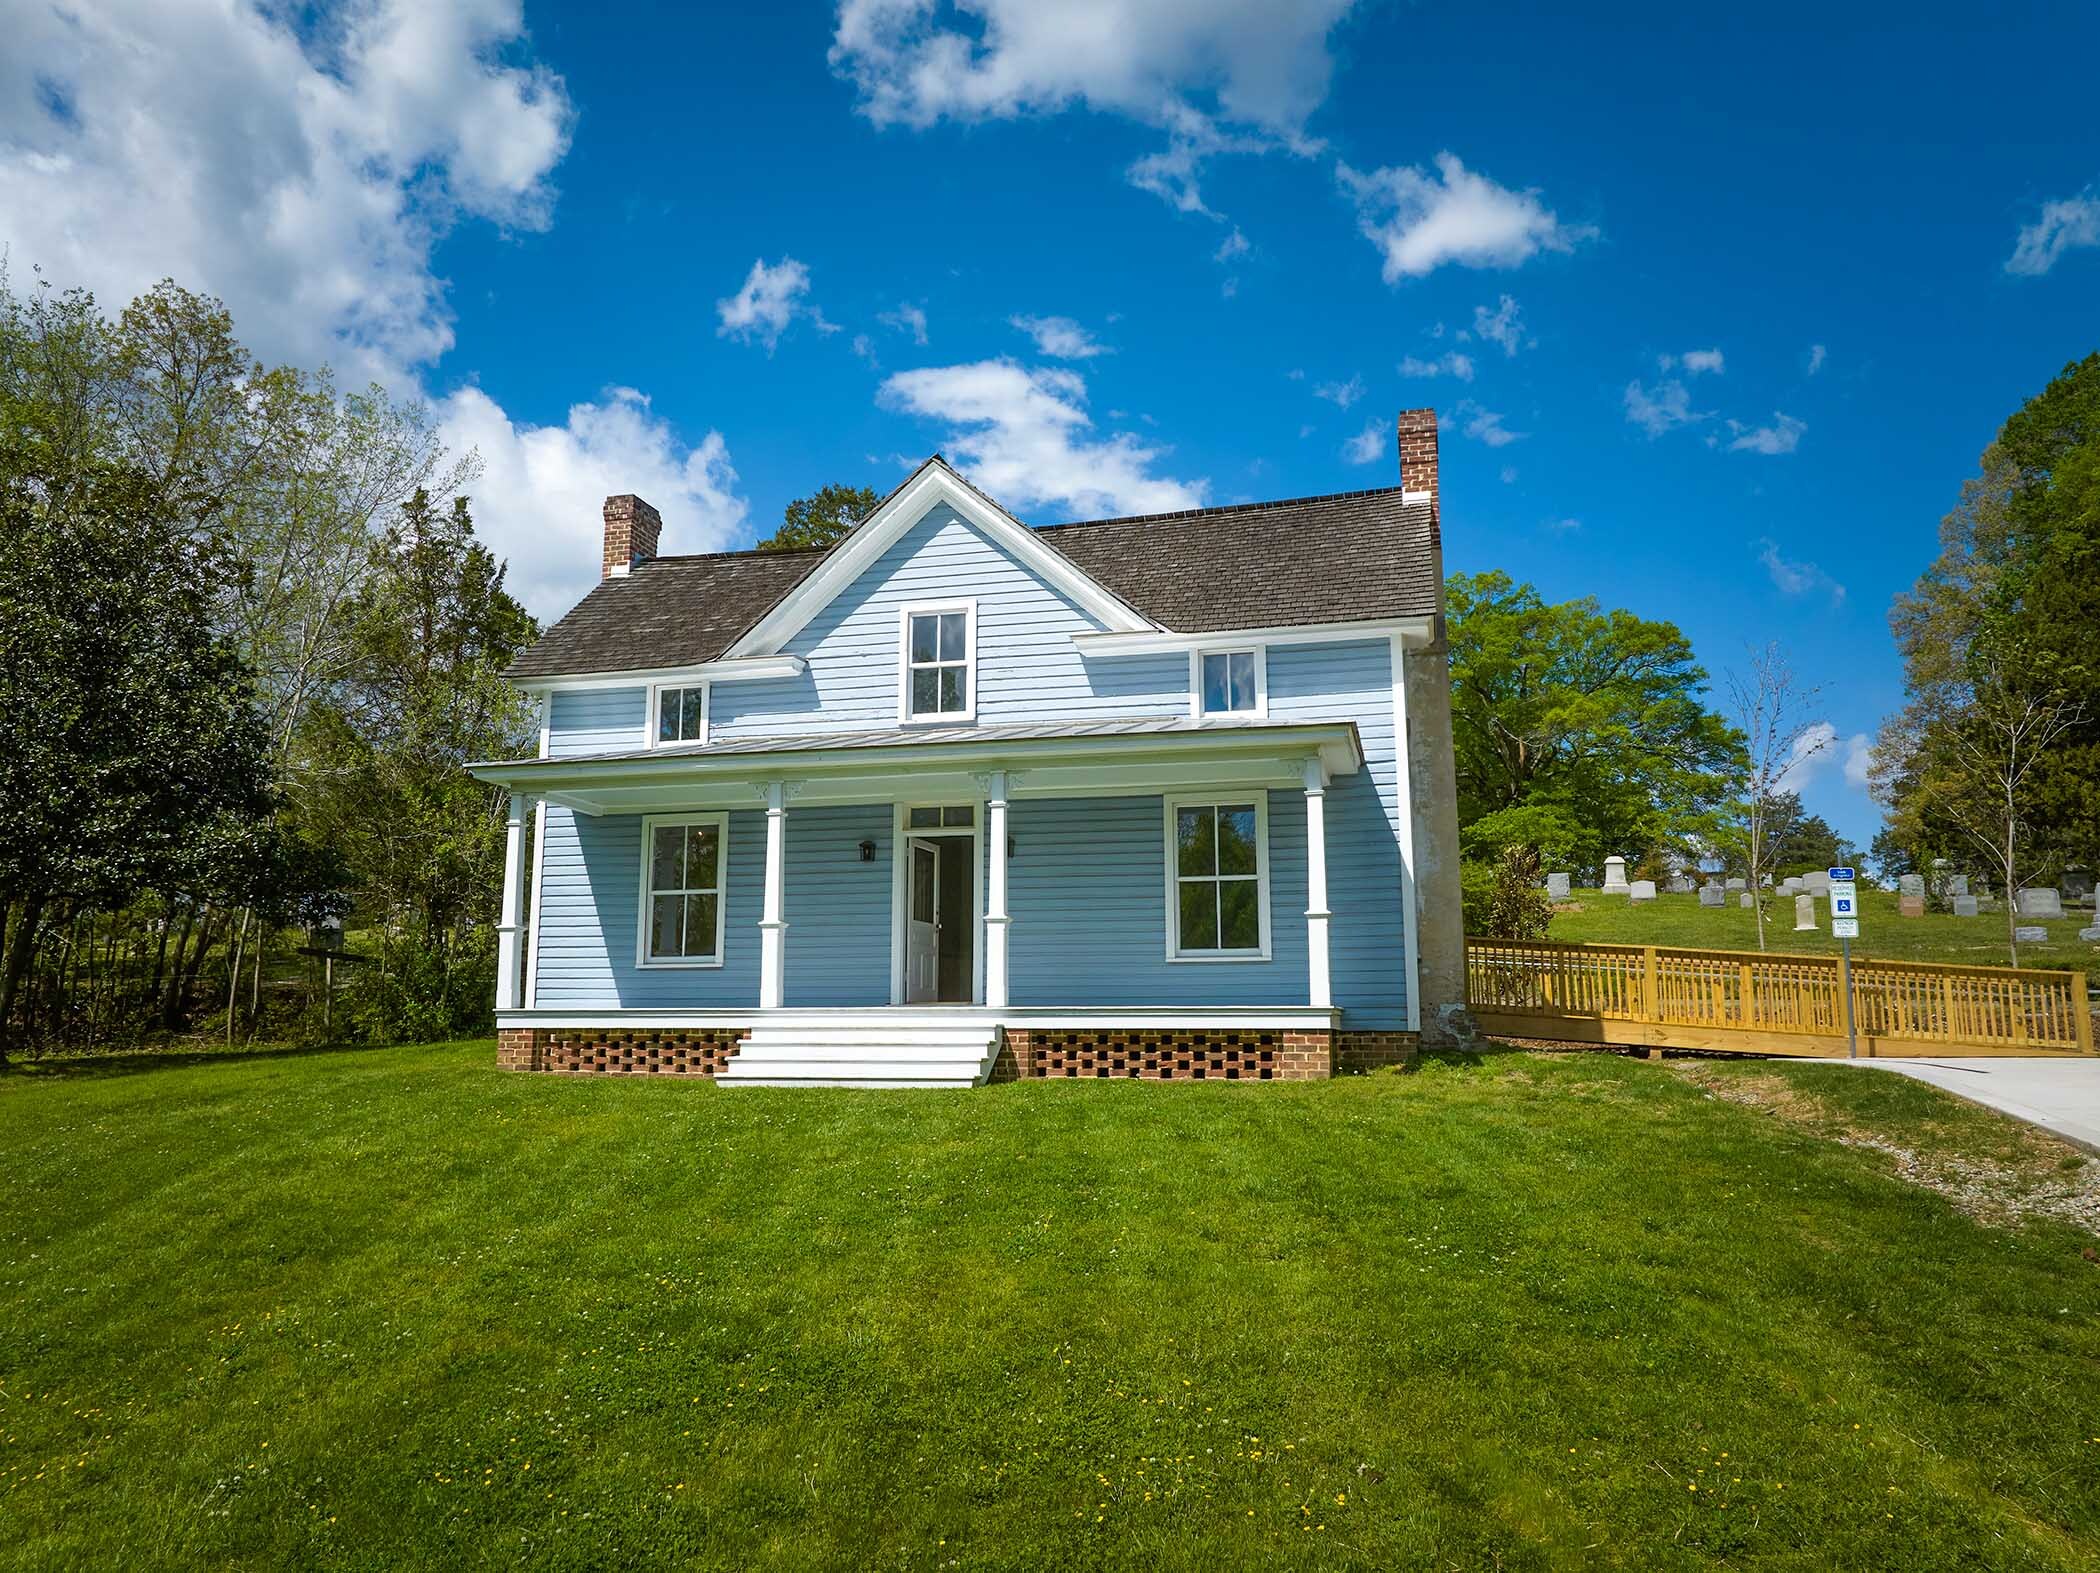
(654, 725)
(1170, 852)
(650, 823)
(905, 613)
(1260, 712)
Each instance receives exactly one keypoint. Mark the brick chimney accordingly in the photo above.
(1418, 454)
(632, 529)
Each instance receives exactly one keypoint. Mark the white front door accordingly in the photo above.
(922, 947)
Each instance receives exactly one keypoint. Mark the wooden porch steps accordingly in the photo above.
(876, 1053)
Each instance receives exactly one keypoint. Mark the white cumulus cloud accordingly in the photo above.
(1453, 364)
(1658, 409)
(302, 174)
(1694, 362)
(1484, 425)
(1061, 337)
(1420, 219)
(1782, 436)
(1340, 394)
(542, 489)
(1367, 446)
(1500, 326)
(1026, 438)
(1790, 577)
(771, 299)
(2067, 224)
(1219, 76)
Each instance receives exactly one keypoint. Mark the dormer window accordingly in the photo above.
(1229, 684)
(940, 658)
(681, 716)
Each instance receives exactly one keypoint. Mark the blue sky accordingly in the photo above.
(1718, 315)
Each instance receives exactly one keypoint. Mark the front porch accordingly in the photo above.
(940, 907)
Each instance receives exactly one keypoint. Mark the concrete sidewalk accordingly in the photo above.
(2059, 1095)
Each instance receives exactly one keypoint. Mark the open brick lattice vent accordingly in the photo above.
(1156, 1056)
(640, 1053)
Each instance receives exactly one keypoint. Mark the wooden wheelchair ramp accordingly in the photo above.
(1759, 1002)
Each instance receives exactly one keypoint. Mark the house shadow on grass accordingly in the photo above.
(135, 1062)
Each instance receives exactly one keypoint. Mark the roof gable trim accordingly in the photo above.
(934, 483)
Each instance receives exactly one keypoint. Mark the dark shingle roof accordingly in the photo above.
(1332, 559)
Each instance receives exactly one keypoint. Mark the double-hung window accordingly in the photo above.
(680, 715)
(939, 673)
(682, 866)
(1218, 886)
(1230, 684)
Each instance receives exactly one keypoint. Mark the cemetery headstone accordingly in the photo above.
(1910, 906)
(1643, 890)
(1791, 885)
(1615, 876)
(1682, 885)
(2041, 902)
(1737, 884)
(1804, 913)
(1911, 885)
(1816, 882)
(1711, 895)
(2092, 933)
(1745, 899)
(2030, 934)
(1557, 886)
(1965, 906)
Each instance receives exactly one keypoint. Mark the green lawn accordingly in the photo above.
(1592, 918)
(394, 1309)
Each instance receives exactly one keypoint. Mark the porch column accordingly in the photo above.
(1316, 914)
(995, 919)
(772, 926)
(510, 931)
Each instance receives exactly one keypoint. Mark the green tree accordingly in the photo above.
(1599, 717)
(131, 756)
(381, 779)
(821, 519)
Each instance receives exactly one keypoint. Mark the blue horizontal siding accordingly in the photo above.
(1087, 894)
(1027, 666)
(837, 907)
(1367, 936)
(596, 720)
(590, 902)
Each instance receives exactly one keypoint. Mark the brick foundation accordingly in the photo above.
(1358, 1052)
(1142, 1054)
(599, 1051)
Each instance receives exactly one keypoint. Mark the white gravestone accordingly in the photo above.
(1557, 886)
(1711, 895)
(1965, 906)
(2041, 902)
(1745, 899)
(1816, 883)
(1643, 890)
(1791, 885)
(1682, 886)
(1615, 876)
(1911, 885)
(2030, 934)
(1737, 884)
(2092, 933)
(1804, 913)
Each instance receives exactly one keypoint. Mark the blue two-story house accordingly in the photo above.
(956, 798)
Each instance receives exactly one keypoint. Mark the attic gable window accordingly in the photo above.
(680, 716)
(939, 662)
(1229, 684)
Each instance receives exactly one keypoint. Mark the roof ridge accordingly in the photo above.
(747, 551)
(1231, 507)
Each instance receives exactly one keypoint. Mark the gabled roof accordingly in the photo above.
(1345, 557)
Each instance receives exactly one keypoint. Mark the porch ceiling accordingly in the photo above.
(1072, 759)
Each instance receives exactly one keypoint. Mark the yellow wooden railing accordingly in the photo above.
(1664, 996)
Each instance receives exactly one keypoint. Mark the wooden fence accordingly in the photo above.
(1756, 1002)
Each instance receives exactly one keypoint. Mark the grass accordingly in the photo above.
(394, 1309)
(1592, 918)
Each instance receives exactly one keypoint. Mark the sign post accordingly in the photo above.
(1844, 923)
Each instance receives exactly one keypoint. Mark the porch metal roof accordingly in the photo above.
(1063, 758)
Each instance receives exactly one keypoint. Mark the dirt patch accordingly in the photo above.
(2045, 1178)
